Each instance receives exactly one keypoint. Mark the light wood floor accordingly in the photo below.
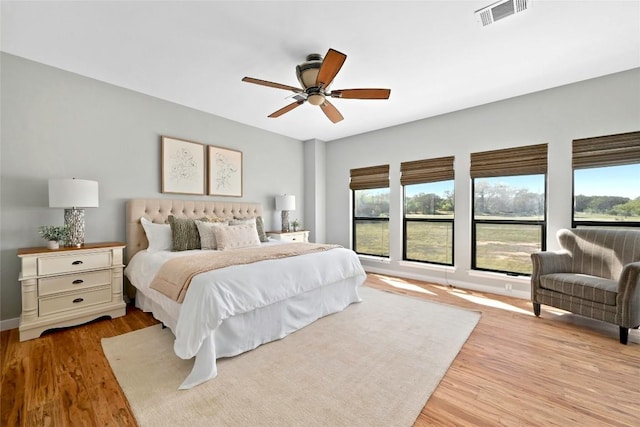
(514, 370)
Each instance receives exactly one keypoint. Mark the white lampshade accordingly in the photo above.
(286, 203)
(73, 193)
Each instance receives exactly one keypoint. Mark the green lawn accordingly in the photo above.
(500, 247)
(506, 247)
(429, 241)
(585, 216)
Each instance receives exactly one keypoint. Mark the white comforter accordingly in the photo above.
(218, 295)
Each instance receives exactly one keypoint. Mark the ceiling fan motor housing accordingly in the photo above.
(308, 70)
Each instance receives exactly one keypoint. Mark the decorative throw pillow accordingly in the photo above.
(158, 235)
(206, 232)
(260, 228)
(242, 221)
(184, 233)
(257, 221)
(236, 237)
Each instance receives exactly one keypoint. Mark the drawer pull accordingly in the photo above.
(76, 262)
(77, 281)
(77, 300)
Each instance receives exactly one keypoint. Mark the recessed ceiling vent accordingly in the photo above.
(501, 9)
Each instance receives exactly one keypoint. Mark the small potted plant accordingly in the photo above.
(295, 224)
(54, 234)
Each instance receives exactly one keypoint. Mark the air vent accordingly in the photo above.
(499, 10)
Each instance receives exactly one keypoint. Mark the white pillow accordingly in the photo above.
(236, 236)
(257, 221)
(207, 236)
(158, 235)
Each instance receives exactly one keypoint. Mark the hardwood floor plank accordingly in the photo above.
(12, 393)
(40, 375)
(45, 415)
(515, 369)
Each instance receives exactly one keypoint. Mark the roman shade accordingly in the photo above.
(610, 150)
(427, 170)
(527, 160)
(369, 177)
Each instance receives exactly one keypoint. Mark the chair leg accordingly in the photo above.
(624, 335)
(536, 309)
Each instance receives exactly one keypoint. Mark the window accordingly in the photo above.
(371, 210)
(509, 208)
(606, 173)
(428, 210)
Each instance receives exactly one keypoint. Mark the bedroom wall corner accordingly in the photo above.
(315, 189)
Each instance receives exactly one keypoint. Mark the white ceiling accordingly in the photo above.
(434, 55)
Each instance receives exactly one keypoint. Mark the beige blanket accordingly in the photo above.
(175, 275)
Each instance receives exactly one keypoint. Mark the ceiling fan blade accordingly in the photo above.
(332, 112)
(361, 93)
(271, 84)
(331, 64)
(285, 109)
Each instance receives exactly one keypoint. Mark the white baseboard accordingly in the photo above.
(7, 324)
(457, 283)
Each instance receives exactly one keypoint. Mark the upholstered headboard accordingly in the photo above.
(158, 211)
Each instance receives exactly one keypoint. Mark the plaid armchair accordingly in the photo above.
(596, 274)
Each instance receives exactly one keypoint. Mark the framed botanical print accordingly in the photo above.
(225, 172)
(183, 166)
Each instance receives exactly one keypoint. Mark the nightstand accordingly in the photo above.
(69, 286)
(291, 236)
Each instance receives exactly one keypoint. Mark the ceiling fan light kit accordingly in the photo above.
(315, 75)
(316, 99)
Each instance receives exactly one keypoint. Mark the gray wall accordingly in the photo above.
(56, 124)
(601, 106)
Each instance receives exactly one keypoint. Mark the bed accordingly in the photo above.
(234, 309)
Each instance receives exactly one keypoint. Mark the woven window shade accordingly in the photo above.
(370, 177)
(611, 150)
(428, 170)
(528, 160)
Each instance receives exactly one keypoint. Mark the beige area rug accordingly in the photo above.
(374, 364)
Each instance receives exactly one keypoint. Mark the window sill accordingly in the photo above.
(427, 266)
(374, 258)
(499, 276)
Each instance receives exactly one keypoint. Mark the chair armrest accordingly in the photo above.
(551, 262)
(628, 299)
(547, 263)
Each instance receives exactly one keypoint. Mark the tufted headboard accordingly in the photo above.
(158, 211)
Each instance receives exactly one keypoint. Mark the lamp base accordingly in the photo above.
(285, 221)
(74, 219)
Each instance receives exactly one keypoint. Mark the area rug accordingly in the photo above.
(374, 364)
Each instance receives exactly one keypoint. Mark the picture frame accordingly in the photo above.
(224, 172)
(183, 166)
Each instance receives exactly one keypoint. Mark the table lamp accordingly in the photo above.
(285, 203)
(73, 195)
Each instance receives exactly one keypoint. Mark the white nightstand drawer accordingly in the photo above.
(293, 237)
(73, 301)
(73, 282)
(71, 263)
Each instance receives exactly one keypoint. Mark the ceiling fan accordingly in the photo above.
(315, 75)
